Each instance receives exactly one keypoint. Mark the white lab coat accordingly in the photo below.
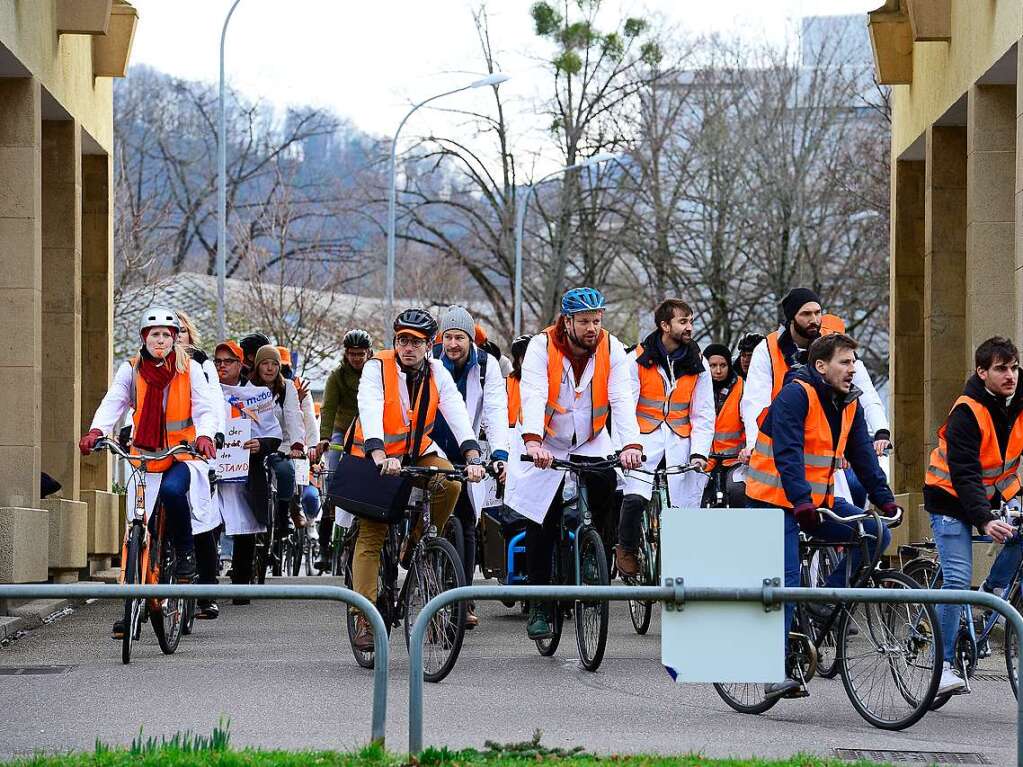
(312, 426)
(685, 490)
(214, 392)
(450, 404)
(530, 490)
(487, 405)
(119, 400)
(289, 416)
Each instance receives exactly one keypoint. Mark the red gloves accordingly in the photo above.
(205, 446)
(890, 510)
(88, 442)
(806, 517)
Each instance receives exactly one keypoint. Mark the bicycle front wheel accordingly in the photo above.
(166, 614)
(591, 617)
(435, 569)
(1012, 645)
(133, 608)
(891, 662)
(745, 698)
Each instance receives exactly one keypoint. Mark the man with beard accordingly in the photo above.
(675, 412)
(813, 423)
(575, 375)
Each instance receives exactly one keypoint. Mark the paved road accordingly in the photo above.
(284, 674)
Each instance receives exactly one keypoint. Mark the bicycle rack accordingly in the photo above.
(193, 591)
(674, 596)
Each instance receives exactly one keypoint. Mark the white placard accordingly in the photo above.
(301, 471)
(232, 458)
(723, 641)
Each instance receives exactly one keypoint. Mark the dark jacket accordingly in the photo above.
(786, 422)
(723, 388)
(963, 437)
(340, 400)
(689, 363)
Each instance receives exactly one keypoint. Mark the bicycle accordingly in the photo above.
(579, 558)
(888, 655)
(649, 554)
(142, 540)
(433, 567)
(971, 644)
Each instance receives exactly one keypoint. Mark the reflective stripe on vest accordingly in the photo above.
(398, 423)
(654, 406)
(820, 457)
(600, 405)
(177, 412)
(998, 475)
(729, 434)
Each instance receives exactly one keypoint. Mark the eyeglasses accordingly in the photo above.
(409, 341)
(224, 361)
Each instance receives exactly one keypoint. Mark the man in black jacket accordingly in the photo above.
(971, 473)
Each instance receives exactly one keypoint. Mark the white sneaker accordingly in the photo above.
(950, 680)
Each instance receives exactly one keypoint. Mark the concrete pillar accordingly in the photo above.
(24, 549)
(906, 361)
(62, 284)
(1018, 195)
(944, 275)
(97, 305)
(990, 235)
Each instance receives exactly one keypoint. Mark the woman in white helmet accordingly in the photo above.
(165, 390)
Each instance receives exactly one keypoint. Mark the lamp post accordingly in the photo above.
(494, 79)
(520, 223)
(222, 190)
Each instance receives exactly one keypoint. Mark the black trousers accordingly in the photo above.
(542, 538)
(206, 559)
(466, 515)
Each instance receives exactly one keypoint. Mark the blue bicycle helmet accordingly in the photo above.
(582, 300)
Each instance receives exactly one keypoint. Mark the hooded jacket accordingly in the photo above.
(785, 424)
(340, 400)
(972, 507)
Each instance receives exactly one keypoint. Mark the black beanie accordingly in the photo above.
(717, 349)
(795, 299)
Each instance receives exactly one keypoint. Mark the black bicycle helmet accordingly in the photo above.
(749, 342)
(417, 320)
(518, 346)
(252, 343)
(357, 338)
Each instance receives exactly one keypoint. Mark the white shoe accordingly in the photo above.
(950, 681)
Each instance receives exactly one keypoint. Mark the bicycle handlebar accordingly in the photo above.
(602, 464)
(105, 443)
(682, 468)
(456, 472)
(893, 521)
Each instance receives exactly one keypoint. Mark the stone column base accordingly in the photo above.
(24, 545)
(69, 526)
(103, 532)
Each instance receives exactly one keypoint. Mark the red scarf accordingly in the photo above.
(564, 346)
(149, 434)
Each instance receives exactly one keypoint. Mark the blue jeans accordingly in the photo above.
(856, 489)
(954, 540)
(174, 485)
(829, 531)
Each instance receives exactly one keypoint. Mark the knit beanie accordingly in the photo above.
(267, 353)
(719, 350)
(457, 318)
(795, 300)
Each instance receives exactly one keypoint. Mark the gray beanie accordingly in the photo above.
(457, 318)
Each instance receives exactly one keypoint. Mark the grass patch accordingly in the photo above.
(190, 750)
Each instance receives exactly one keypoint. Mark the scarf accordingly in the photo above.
(564, 346)
(149, 434)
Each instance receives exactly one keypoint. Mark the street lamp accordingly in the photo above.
(222, 190)
(520, 223)
(495, 79)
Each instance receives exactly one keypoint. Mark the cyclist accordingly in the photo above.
(744, 353)
(729, 436)
(675, 410)
(477, 374)
(391, 389)
(971, 472)
(311, 436)
(813, 422)
(340, 406)
(167, 393)
(574, 375)
(514, 380)
(251, 344)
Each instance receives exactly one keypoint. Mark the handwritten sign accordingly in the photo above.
(232, 458)
(301, 471)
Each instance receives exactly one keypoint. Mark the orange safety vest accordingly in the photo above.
(514, 386)
(599, 402)
(178, 425)
(656, 406)
(399, 423)
(729, 433)
(820, 457)
(998, 473)
(779, 366)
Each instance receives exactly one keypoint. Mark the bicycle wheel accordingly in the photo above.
(547, 647)
(297, 542)
(591, 617)
(640, 611)
(744, 697)
(1012, 644)
(891, 664)
(822, 563)
(165, 614)
(926, 572)
(133, 608)
(188, 616)
(454, 533)
(259, 558)
(436, 567)
(364, 659)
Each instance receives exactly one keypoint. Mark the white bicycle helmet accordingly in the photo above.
(159, 317)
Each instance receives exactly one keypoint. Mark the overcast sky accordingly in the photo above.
(368, 61)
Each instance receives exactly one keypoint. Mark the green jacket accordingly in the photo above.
(340, 400)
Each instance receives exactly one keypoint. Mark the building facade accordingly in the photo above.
(956, 206)
(57, 61)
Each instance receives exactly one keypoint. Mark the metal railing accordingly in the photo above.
(676, 594)
(268, 591)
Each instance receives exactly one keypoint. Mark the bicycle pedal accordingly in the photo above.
(799, 692)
